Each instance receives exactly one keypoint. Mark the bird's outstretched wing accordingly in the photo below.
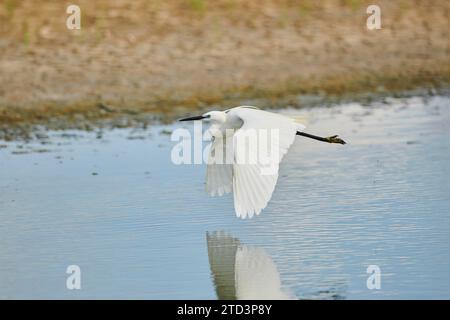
(254, 183)
(219, 176)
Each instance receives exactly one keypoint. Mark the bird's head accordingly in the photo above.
(213, 116)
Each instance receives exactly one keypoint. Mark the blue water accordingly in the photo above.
(136, 224)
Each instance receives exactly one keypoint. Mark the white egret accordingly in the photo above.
(252, 187)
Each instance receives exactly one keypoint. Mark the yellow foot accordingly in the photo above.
(335, 139)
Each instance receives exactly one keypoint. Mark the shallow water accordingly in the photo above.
(139, 226)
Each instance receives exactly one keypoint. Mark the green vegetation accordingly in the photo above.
(10, 6)
(353, 4)
(26, 34)
(197, 5)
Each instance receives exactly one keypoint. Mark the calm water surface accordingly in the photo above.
(141, 227)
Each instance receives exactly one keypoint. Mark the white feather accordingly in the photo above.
(252, 187)
(251, 182)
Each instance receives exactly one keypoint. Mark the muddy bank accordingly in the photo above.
(140, 60)
(107, 118)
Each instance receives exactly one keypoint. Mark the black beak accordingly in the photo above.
(194, 118)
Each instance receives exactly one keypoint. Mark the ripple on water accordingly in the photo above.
(138, 228)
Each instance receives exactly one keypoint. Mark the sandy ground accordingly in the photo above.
(171, 57)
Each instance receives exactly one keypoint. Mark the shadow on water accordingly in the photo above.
(243, 272)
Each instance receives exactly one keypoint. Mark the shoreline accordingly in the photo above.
(298, 92)
(135, 61)
(108, 120)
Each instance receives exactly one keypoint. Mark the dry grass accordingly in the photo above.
(160, 55)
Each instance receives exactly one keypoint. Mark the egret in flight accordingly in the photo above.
(250, 181)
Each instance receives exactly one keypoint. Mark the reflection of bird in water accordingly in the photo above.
(239, 164)
(242, 272)
(222, 258)
(257, 276)
(248, 272)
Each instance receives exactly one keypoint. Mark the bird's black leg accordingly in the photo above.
(332, 139)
